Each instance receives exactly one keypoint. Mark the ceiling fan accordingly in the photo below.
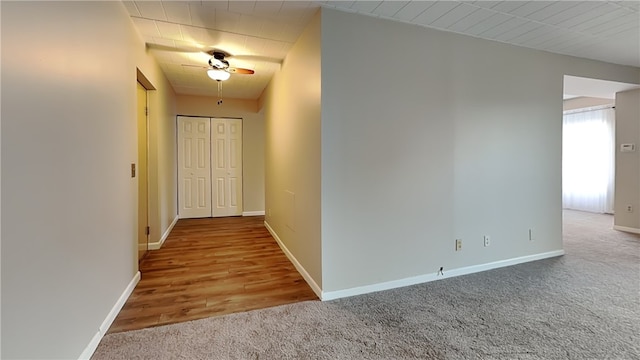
(219, 67)
(193, 49)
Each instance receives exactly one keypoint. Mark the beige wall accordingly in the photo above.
(292, 152)
(163, 210)
(627, 163)
(69, 205)
(252, 139)
(585, 102)
(434, 138)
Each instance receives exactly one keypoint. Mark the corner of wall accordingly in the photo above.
(111, 316)
(627, 169)
(305, 274)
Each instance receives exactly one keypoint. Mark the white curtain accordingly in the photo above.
(588, 160)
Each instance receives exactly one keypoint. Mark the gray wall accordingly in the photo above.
(430, 136)
(627, 163)
(69, 205)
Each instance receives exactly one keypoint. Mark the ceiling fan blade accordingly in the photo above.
(210, 52)
(173, 49)
(196, 66)
(234, 70)
(225, 55)
(256, 58)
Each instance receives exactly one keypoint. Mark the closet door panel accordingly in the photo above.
(227, 166)
(194, 167)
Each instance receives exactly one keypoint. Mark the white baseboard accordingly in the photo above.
(314, 286)
(331, 295)
(626, 229)
(102, 330)
(158, 245)
(253, 213)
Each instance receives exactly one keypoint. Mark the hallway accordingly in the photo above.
(209, 267)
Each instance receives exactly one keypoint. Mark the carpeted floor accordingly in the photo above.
(584, 305)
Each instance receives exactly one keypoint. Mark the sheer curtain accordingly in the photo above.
(588, 159)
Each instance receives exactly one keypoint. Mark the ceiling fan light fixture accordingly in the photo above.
(218, 75)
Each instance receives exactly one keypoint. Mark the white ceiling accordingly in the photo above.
(578, 86)
(259, 33)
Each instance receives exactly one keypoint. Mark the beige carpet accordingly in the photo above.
(584, 305)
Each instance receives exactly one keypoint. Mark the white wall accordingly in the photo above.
(585, 102)
(292, 153)
(252, 139)
(69, 203)
(430, 136)
(627, 163)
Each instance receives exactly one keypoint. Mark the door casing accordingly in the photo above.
(142, 171)
(209, 167)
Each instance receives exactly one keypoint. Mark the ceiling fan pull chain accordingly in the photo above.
(219, 92)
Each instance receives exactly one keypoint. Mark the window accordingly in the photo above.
(588, 159)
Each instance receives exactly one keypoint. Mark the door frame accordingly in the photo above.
(142, 173)
(211, 154)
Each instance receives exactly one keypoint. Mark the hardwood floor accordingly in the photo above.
(209, 267)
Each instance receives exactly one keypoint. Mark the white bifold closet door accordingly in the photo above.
(209, 167)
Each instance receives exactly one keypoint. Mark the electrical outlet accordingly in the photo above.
(531, 235)
(458, 244)
(629, 208)
(487, 240)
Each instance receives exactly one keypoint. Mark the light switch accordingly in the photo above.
(627, 147)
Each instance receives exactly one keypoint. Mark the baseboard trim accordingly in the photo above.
(102, 330)
(626, 229)
(414, 280)
(253, 213)
(158, 245)
(314, 286)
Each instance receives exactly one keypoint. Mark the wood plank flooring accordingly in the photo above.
(209, 267)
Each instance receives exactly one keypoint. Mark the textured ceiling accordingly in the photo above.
(260, 33)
